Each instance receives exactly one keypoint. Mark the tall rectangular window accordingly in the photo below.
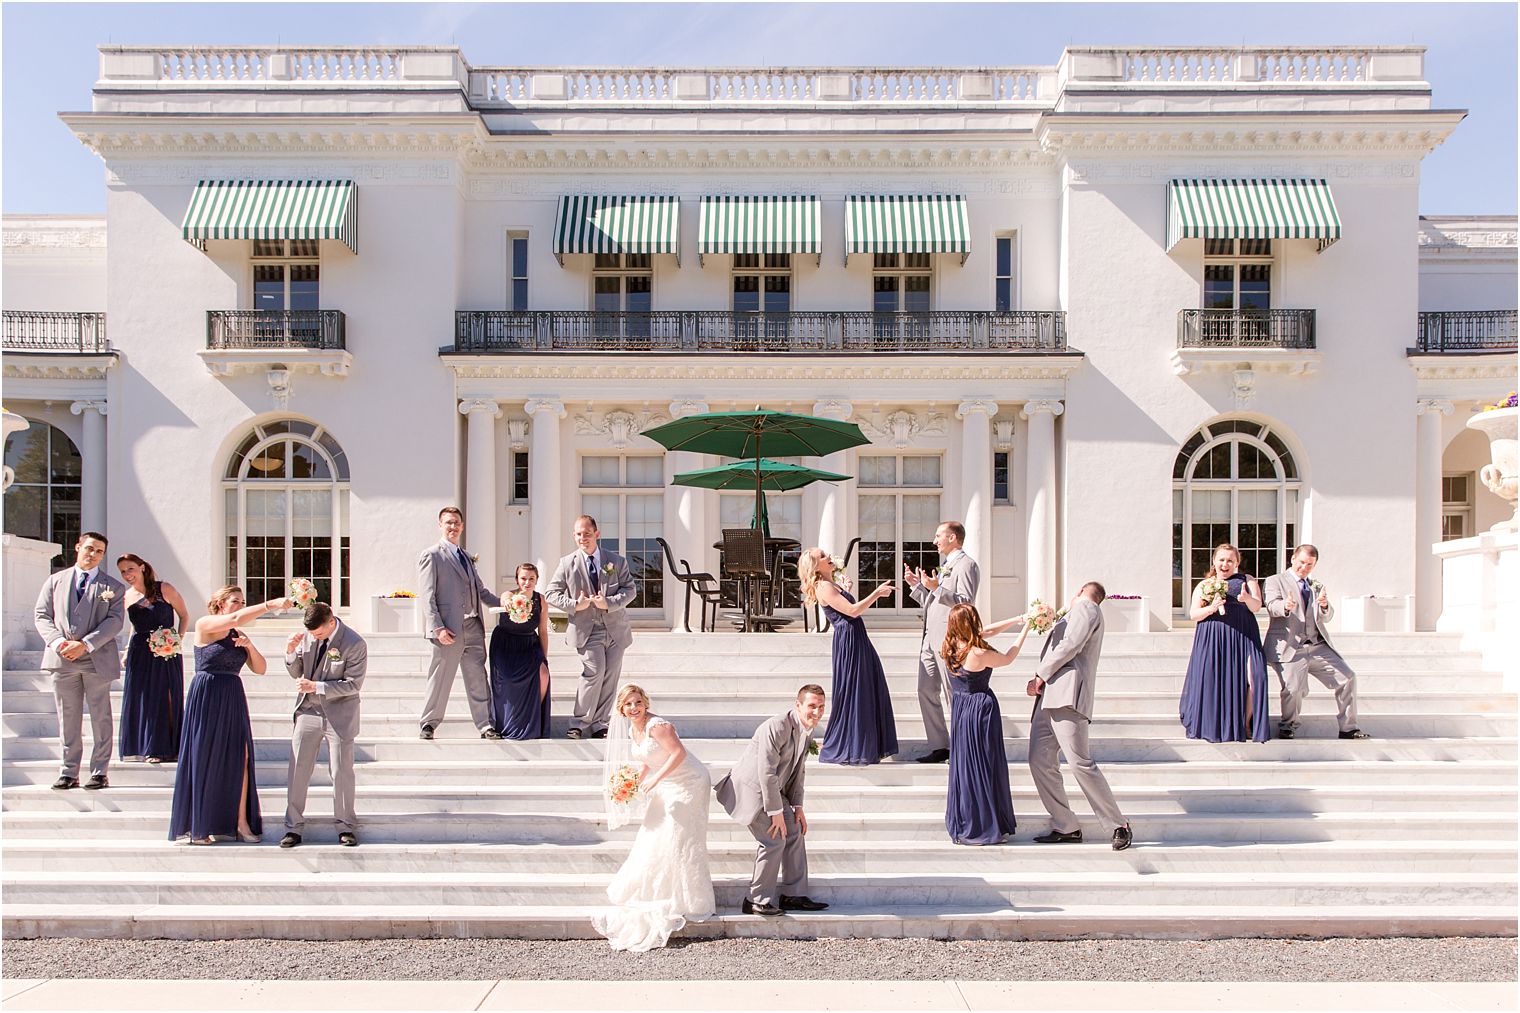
(1002, 283)
(901, 285)
(629, 518)
(286, 274)
(1456, 506)
(622, 296)
(1002, 487)
(517, 270)
(762, 299)
(519, 476)
(897, 519)
(1237, 274)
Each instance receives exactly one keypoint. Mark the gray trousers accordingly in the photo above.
(780, 865)
(1326, 665)
(933, 682)
(468, 651)
(75, 686)
(601, 667)
(311, 727)
(1064, 729)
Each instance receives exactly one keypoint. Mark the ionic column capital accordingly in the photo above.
(480, 404)
(80, 407)
(837, 409)
(972, 405)
(1433, 406)
(547, 406)
(1033, 408)
(681, 409)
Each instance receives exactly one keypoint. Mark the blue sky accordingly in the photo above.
(50, 59)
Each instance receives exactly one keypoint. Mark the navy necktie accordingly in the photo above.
(596, 579)
(1303, 590)
(464, 560)
(321, 650)
(84, 582)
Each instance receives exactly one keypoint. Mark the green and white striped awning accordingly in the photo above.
(273, 209)
(618, 225)
(1251, 209)
(906, 224)
(760, 225)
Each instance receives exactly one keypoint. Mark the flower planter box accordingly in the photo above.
(1126, 615)
(1377, 614)
(394, 615)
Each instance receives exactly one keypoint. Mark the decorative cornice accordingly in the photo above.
(231, 361)
(1292, 361)
(31, 232)
(57, 366)
(1497, 366)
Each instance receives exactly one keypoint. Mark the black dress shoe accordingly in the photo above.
(1056, 837)
(1284, 732)
(490, 733)
(801, 904)
(934, 756)
(290, 840)
(96, 782)
(1122, 838)
(749, 907)
(426, 733)
(602, 734)
(65, 783)
(574, 733)
(1355, 733)
(348, 839)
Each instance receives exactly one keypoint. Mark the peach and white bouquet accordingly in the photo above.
(164, 643)
(303, 592)
(1212, 591)
(841, 579)
(623, 785)
(519, 607)
(1040, 616)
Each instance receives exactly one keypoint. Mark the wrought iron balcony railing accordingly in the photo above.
(295, 329)
(1466, 331)
(806, 331)
(1293, 329)
(46, 331)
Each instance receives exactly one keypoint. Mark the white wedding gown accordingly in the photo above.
(666, 879)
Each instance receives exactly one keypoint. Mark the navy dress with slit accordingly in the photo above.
(518, 711)
(1227, 665)
(215, 750)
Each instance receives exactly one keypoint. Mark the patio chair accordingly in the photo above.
(744, 561)
(704, 585)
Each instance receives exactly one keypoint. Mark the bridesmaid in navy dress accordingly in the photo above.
(153, 688)
(215, 794)
(520, 667)
(978, 802)
(861, 729)
(1224, 697)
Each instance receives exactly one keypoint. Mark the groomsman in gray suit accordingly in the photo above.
(1297, 645)
(594, 586)
(764, 791)
(79, 613)
(455, 598)
(1063, 689)
(327, 662)
(956, 583)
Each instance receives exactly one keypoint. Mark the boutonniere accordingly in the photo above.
(812, 747)
(334, 655)
(106, 594)
(1316, 587)
(610, 570)
(475, 557)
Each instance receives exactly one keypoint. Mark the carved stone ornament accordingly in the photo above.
(619, 427)
(517, 434)
(901, 427)
(1245, 387)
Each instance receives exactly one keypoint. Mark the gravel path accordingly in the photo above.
(488, 959)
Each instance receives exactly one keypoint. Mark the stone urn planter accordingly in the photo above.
(1501, 476)
(13, 424)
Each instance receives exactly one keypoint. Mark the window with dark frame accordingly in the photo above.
(517, 270)
(519, 476)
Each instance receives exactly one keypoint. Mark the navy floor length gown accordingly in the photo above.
(861, 727)
(1226, 648)
(978, 803)
(215, 749)
(153, 688)
(517, 709)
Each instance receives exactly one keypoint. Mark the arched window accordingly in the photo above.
(44, 501)
(286, 493)
(1234, 481)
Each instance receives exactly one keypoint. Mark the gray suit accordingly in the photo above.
(455, 598)
(95, 619)
(1297, 647)
(1062, 713)
(331, 713)
(769, 777)
(599, 636)
(958, 585)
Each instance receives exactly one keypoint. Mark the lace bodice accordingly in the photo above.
(648, 750)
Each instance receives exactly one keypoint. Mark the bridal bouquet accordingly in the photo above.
(623, 785)
(303, 592)
(841, 579)
(1040, 616)
(519, 607)
(1212, 590)
(164, 643)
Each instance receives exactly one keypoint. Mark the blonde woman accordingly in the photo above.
(666, 880)
(861, 727)
(1224, 696)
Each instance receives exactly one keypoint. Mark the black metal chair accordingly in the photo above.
(705, 586)
(744, 561)
(818, 609)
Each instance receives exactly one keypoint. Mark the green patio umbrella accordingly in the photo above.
(775, 475)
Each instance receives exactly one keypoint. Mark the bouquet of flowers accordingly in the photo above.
(1212, 591)
(623, 785)
(402, 592)
(164, 643)
(303, 592)
(1040, 616)
(519, 607)
(1508, 402)
(841, 579)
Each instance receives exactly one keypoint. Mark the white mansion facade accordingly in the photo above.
(1109, 312)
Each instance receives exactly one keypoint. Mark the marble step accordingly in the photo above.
(954, 890)
(319, 854)
(1189, 921)
(1347, 773)
(539, 827)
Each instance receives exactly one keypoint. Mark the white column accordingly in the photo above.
(544, 485)
(976, 489)
(480, 485)
(1427, 510)
(1041, 580)
(92, 507)
(687, 540)
(833, 526)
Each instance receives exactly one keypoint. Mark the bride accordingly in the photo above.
(665, 880)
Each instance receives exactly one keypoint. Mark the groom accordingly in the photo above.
(954, 584)
(1297, 645)
(764, 791)
(594, 586)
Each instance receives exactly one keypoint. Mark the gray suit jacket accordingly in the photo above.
(449, 590)
(1287, 632)
(955, 588)
(770, 774)
(341, 677)
(1069, 660)
(571, 579)
(96, 620)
